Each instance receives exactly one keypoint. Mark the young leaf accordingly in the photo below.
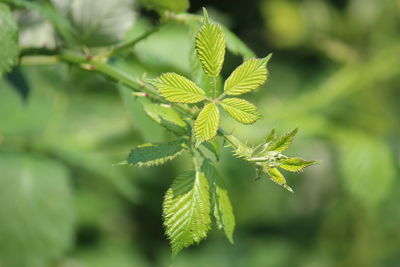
(155, 154)
(206, 124)
(295, 164)
(283, 142)
(247, 77)
(186, 210)
(271, 136)
(277, 177)
(210, 46)
(8, 39)
(241, 110)
(221, 205)
(166, 117)
(176, 88)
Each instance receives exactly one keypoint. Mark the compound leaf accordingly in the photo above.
(176, 88)
(186, 210)
(166, 117)
(295, 164)
(283, 142)
(206, 124)
(241, 110)
(210, 47)
(277, 177)
(247, 77)
(9, 39)
(221, 204)
(155, 154)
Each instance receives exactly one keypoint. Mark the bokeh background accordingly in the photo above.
(335, 74)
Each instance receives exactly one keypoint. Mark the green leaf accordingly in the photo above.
(247, 77)
(166, 117)
(167, 5)
(213, 146)
(295, 164)
(206, 124)
(235, 45)
(36, 211)
(271, 136)
(241, 110)
(8, 39)
(283, 142)
(367, 167)
(210, 46)
(176, 88)
(277, 177)
(186, 210)
(221, 204)
(155, 154)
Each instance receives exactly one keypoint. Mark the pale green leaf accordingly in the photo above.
(210, 47)
(36, 211)
(277, 177)
(247, 77)
(165, 116)
(367, 167)
(186, 210)
(271, 136)
(295, 164)
(283, 142)
(214, 147)
(206, 124)
(221, 204)
(155, 154)
(176, 88)
(8, 39)
(241, 110)
(167, 5)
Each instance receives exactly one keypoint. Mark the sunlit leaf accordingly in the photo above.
(241, 110)
(283, 142)
(186, 210)
(210, 47)
(8, 39)
(176, 88)
(277, 177)
(247, 77)
(295, 164)
(221, 204)
(155, 154)
(166, 117)
(206, 124)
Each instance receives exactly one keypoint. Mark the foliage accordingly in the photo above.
(182, 79)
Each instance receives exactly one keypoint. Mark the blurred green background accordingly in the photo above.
(335, 74)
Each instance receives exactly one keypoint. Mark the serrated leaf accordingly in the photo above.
(166, 117)
(186, 210)
(277, 177)
(206, 124)
(176, 88)
(210, 47)
(221, 204)
(295, 164)
(155, 154)
(247, 77)
(36, 211)
(283, 142)
(167, 5)
(271, 136)
(241, 110)
(8, 39)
